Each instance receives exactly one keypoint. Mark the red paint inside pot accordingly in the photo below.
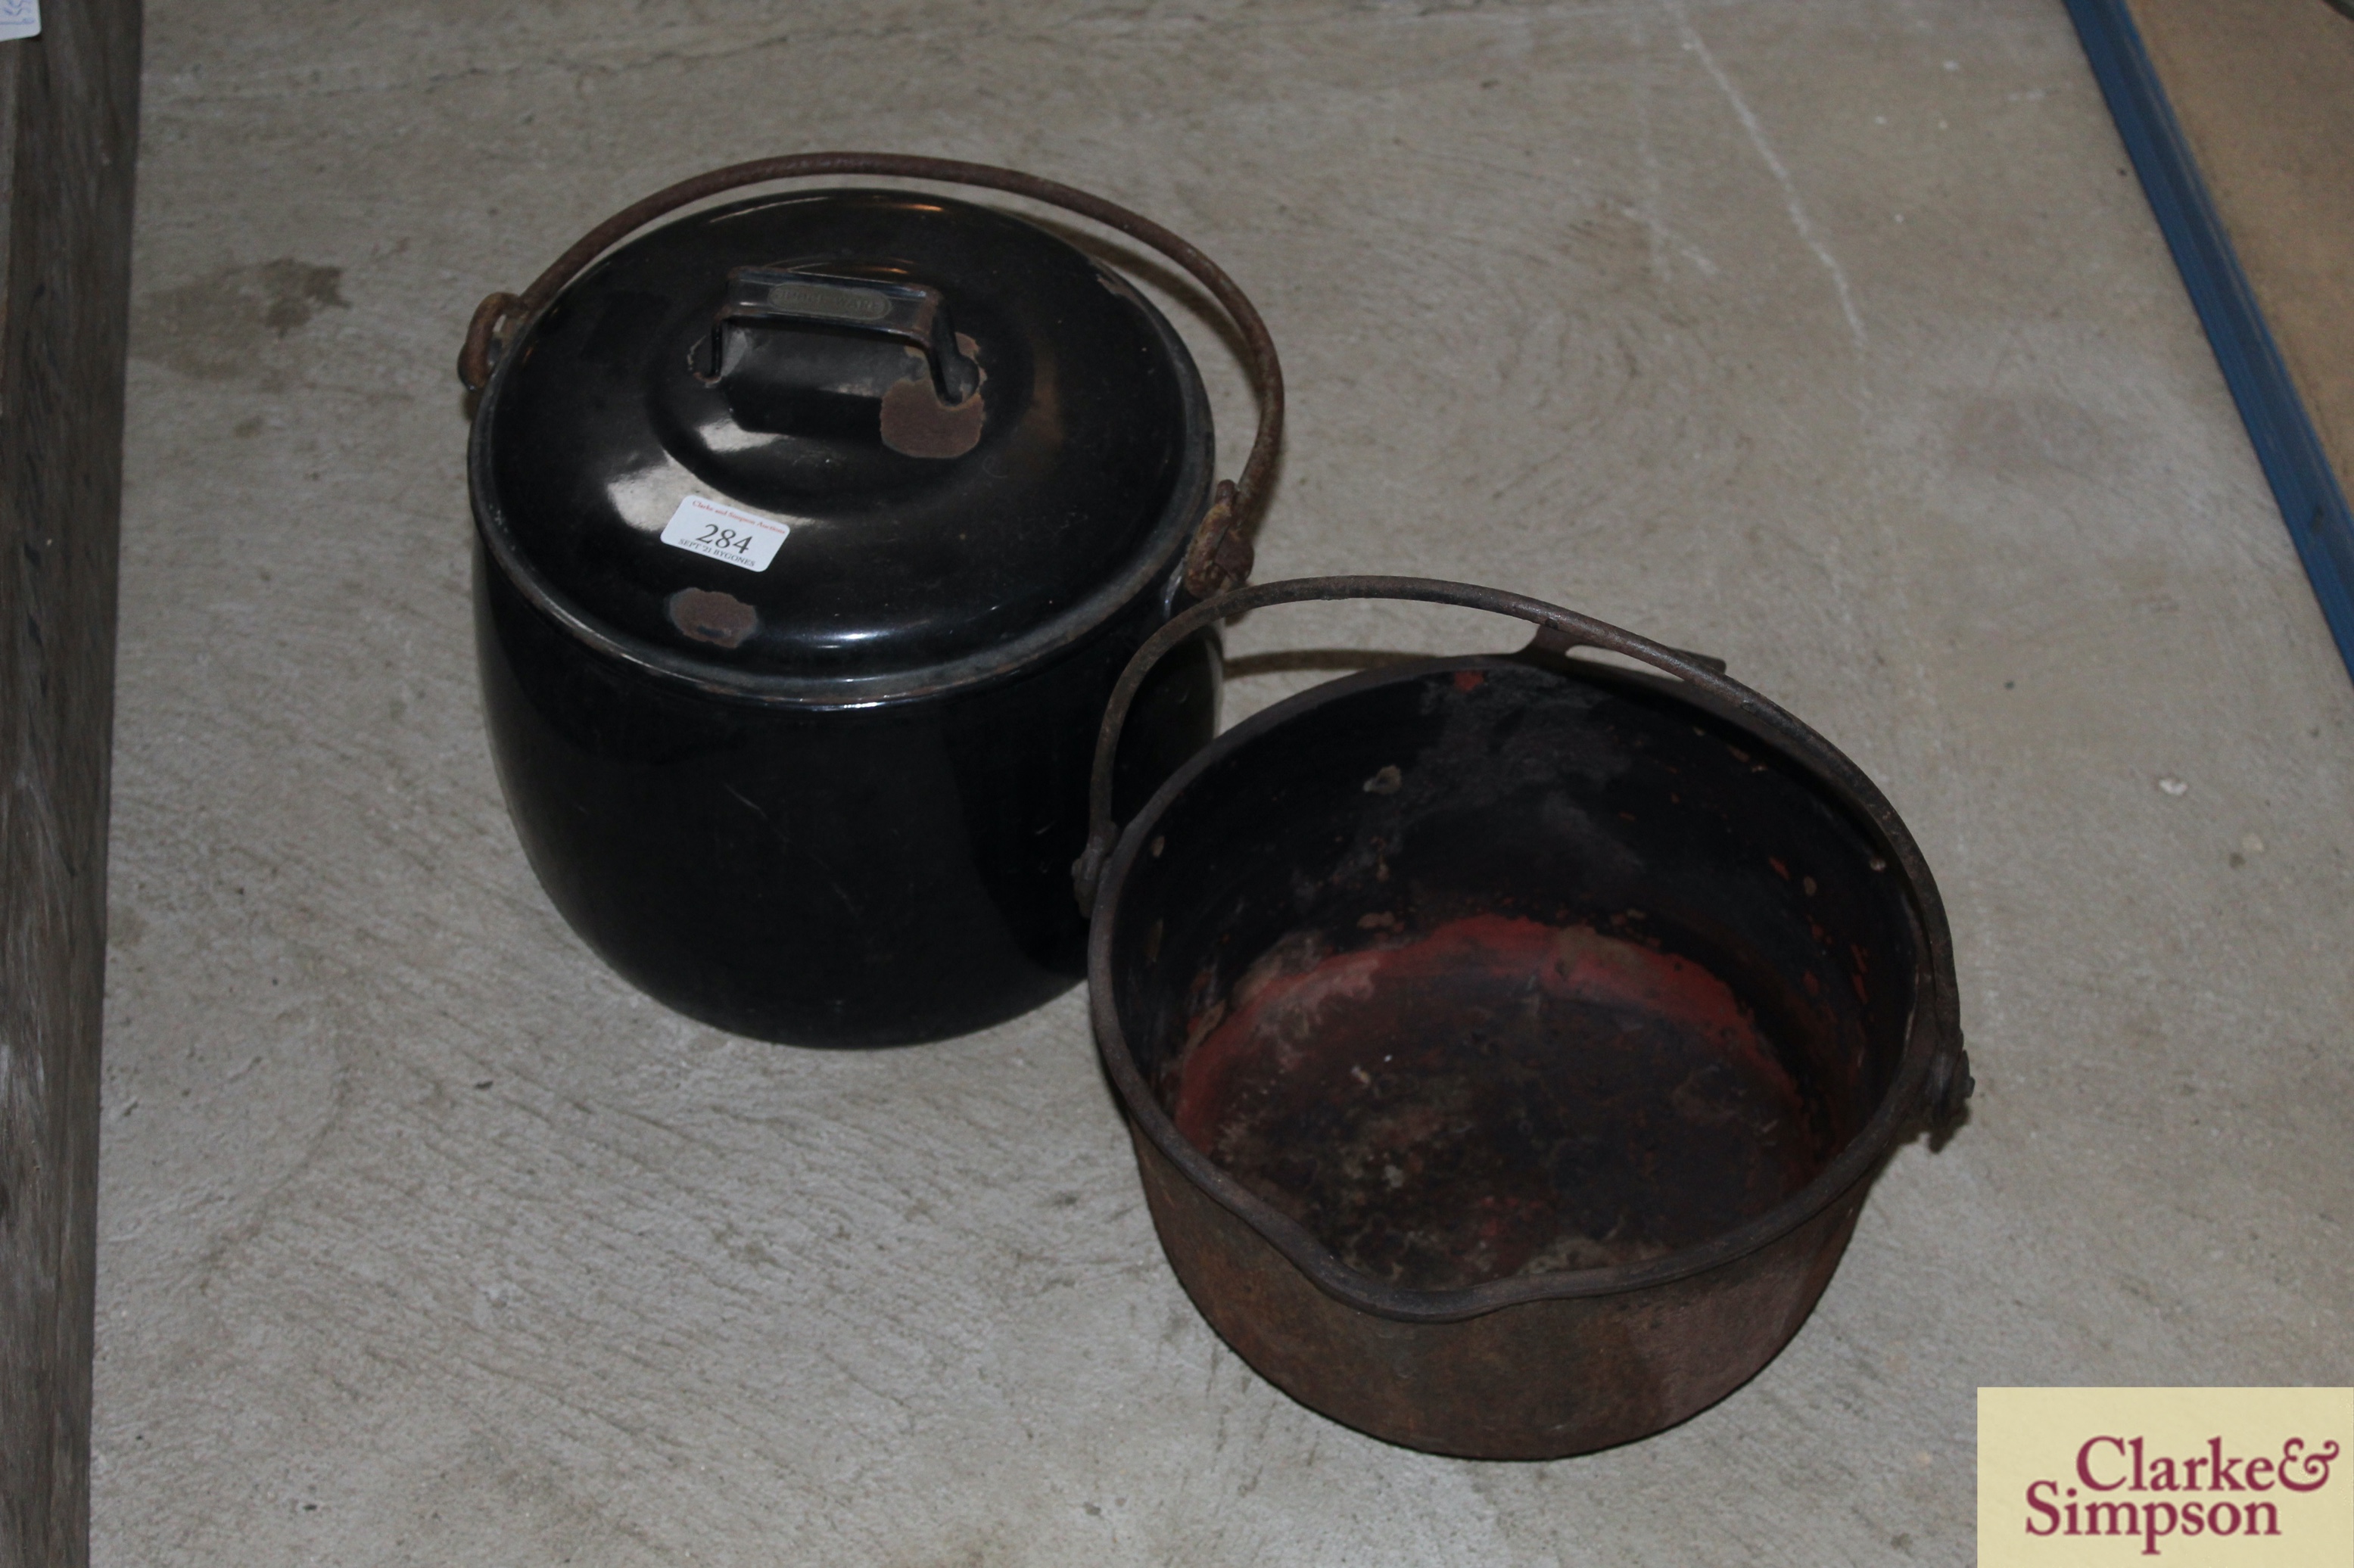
(1498, 1098)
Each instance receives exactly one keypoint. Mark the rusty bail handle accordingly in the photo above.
(1220, 557)
(1948, 1079)
(1556, 628)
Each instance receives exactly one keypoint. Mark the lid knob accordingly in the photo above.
(911, 313)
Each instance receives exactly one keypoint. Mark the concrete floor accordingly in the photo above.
(1827, 336)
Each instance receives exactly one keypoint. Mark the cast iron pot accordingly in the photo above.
(1508, 1042)
(814, 530)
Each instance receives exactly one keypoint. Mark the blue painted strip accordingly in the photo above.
(2287, 444)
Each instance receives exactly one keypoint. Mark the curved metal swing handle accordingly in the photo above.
(1220, 556)
(1558, 631)
(1946, 1085)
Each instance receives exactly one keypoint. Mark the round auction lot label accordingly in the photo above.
(2256, 1477)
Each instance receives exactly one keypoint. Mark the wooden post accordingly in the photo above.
(69, 137)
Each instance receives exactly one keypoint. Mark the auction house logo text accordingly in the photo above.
(2256, 1477)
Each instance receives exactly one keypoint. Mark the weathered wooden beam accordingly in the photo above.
(69, 137)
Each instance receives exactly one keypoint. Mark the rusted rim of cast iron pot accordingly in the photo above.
(1933, 1037)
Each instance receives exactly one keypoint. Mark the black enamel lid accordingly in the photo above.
(841, 447)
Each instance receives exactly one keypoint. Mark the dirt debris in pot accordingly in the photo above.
(1494, 1099)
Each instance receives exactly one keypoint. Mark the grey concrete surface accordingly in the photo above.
(1828, 336)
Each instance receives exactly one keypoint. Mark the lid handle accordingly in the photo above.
(911, 313)
(1219, 559)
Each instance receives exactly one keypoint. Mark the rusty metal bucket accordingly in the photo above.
(1508, 1042)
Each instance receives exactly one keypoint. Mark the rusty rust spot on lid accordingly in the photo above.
(916, 423)
(714, 617)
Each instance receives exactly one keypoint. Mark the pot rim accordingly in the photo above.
(1156, 569)
(1932, 1028)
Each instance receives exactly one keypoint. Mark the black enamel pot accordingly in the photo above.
(1508, 1042)
(814, 530)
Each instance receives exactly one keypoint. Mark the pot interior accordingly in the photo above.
(1501, 967)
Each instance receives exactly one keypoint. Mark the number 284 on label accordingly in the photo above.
(725, 534)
